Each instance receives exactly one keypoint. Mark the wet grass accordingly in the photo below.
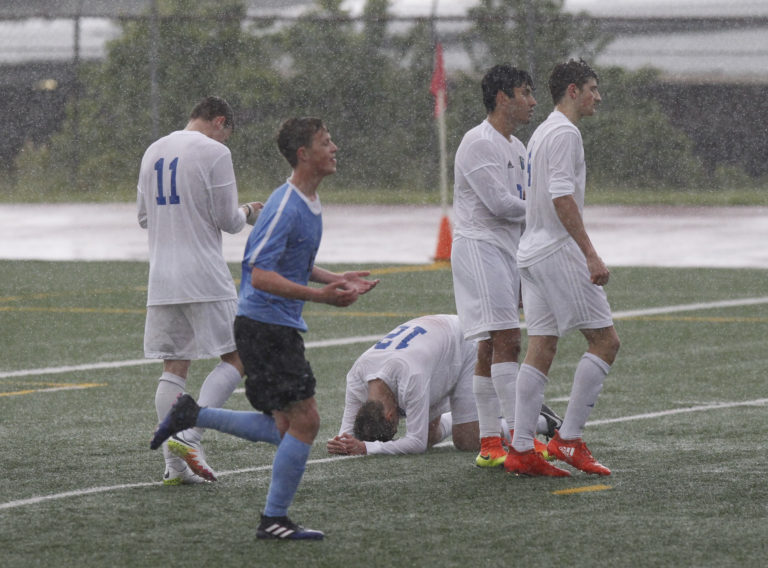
(753, 195)
(688, 485)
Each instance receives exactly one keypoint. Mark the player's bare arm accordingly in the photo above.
(568, 213)
(352, 280)
(274, 283)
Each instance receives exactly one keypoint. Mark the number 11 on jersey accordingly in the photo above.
(417, 330)
(159, 169)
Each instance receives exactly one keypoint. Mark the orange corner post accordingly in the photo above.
(444, 239)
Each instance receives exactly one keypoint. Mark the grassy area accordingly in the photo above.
(680, 421)
(754, 196)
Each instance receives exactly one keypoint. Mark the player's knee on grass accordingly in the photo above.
(466, 437)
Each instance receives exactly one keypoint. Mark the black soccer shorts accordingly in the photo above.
(276, 372)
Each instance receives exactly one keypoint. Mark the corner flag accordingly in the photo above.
(437, 86)
(438, 90)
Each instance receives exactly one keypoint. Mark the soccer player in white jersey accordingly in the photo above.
(421, 371)
(562, 279)
(489, 216)
(186, 197)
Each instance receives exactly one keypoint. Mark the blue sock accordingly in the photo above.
(287, 470)
(253, 426)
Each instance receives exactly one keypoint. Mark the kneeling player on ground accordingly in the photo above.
(421, 370)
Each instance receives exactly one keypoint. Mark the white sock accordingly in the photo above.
(587, 384)
(531, 384)
(504, 377)
(488, 408)
(217, 387)
(169, 387)
(541, 428)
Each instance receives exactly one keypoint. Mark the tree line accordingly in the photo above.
(369, 81)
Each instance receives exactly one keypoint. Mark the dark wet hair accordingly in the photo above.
(571, 72)
(371, 425)
(212, 107)
(504, 78)
(295, 133)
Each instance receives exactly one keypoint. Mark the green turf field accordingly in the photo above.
(681, 422)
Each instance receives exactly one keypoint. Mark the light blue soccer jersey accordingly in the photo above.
(285, 240)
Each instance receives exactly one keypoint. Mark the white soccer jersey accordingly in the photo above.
(557, 168)
(187, 196)
(489, 187)
(421, 361)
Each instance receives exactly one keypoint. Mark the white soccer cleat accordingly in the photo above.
(192, 453)
(180, 474)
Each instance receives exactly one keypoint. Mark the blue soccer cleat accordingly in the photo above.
(183, 415)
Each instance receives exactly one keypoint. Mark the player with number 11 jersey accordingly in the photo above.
(187, 196)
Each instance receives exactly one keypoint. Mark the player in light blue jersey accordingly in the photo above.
(285, 242)
(278, 264)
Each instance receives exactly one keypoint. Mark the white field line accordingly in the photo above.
(135, 362)
(660, 413)
(109, 488)
(368, 338)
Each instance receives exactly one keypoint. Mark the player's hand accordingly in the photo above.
(356, 280)
(346, 445)
(598, 272)
(339, 294)
(252, 211)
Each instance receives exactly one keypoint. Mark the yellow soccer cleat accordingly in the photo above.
(492, 452)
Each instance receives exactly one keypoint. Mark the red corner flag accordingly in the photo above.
(437, 87)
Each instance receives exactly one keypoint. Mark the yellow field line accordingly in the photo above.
(345, 313)
(56, 387)
(46, 295)
(56, 310)
(435, 266)
(358, 314)
(587, 489)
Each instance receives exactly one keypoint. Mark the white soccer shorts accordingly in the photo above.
(201, 330)
(486, 287)
(559, 297)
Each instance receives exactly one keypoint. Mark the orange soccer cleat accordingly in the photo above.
(538, 445)
(531, 463)
(575, 453)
